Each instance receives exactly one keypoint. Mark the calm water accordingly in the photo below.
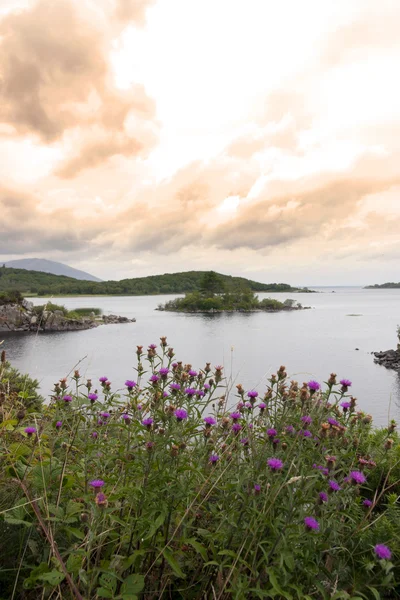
(311, 343)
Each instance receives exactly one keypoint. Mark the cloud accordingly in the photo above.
(56, 83)
(127, 11)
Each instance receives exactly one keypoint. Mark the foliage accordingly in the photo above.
(10, 297)
(20, 390)
(45, 284)
(384, 286)
(189, 506)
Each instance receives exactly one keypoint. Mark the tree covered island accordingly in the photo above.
(215, 295)
(390, 285)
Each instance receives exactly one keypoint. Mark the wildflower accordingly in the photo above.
(190, 392)
(345, 383)
(306, 433)
(103, 379)
(290, 429)
(199, 393)
(271, 433)
(67, 398)
(235, 416)
(130, 384)
(154, 379)
(165, 394)
(333, 422)
(388, 444)
(58, 424)
(236, 427)
(148, 422)
(92, 397)
(149, 446)
(245, 441)
(274, 464)
(262, 406)
(332, 379)
(306, 419)
(249, 405)
(313, 386)
(153, 346)
(207, 386)
(163, 372)
(192, 373)
(30, 431)
(213, 459)
(311, 524)
(367, 503)
(105, 415)
(257, 489)
(334, 486)
(323, 497)
(97, 483)
(252, 394)
(345, 406)
(101, 500)
(94, 434)
(382, 552)
(126, 418)
(180, 414)
(209, 421)
(357, 477)
(174, 387)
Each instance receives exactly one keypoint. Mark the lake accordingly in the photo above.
(311, 343)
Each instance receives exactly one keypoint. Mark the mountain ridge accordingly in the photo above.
(43, 265)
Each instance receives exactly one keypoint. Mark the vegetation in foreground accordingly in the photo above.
(159, 490)
(215, 295)
(46, 284)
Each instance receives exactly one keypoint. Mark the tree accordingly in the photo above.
(211, 284)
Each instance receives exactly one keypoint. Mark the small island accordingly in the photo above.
(19, 314)
(383, 286)
(215, 296)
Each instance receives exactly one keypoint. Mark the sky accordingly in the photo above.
(252, 137)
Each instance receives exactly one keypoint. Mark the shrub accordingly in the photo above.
(160, 491)
(11, 297)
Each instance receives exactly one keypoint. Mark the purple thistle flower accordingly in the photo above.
(275, 464)
(214, 458)
(262, 406)
(306, 419)
(165, 394)
(30, 431)
(334, 486)
(199, 393)
(305, 433)
(154, 378)
(103, 379)
(245, 441)
(192, 373)
(207, 386)
(148, 422)
(323, 497)
(257, 487)
(290, 429)
(97, 483)
(180, 414)
(313, 385)
(249, 405)
(209, 421)
(345, 383)
(311, 524)
(105, 415)
(153, 346)
(190, 392)
(94, 434)
(324, 470)
(240, 405)
(101, 500)
(357, 477)
(235, 416)
(174, 387)
(92, 397)
(67, 398)
(236, 427)
(252, 394)
(163, 372)
(126, 418)
(250, 426)
(58, 424)
(100, 422)
(130, 384)
(345, 405)
(333, 422)
(271, 432)
(382, 552)
(139, 407)
(367, 503)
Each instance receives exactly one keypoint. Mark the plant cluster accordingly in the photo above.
(169, 488)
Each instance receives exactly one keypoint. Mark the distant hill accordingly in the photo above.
(383, 286)
(46, 284)
(50, 266)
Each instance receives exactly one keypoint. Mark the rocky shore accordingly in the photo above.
(389, 358)
(22, 317)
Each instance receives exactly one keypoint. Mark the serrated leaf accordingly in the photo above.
(173, 563)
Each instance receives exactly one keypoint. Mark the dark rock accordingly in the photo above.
(389, 359)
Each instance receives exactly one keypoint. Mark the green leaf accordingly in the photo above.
(276, 587)
(128, 562)
(173, 563)
(109, 581)
(53, 578)
(76, 532)
(374, 592)
(74, 563)
(13, 521)
(132, 585)
(103, 593)
(200, 549)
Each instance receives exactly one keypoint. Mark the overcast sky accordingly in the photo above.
(253, 137)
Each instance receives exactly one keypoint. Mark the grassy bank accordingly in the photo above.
(176, 486)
